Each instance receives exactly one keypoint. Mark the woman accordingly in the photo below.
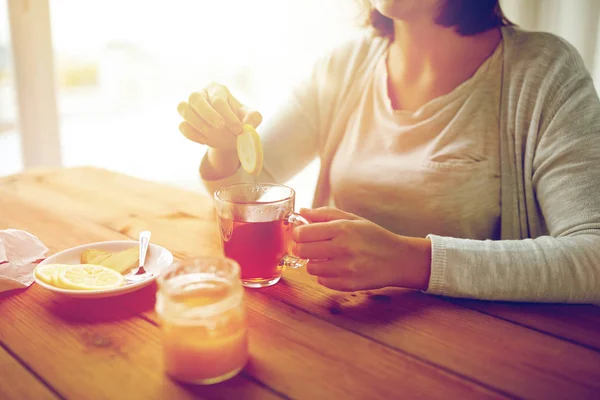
(464, 153)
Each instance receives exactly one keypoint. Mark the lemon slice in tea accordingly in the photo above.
(249, 150)
(89, 277)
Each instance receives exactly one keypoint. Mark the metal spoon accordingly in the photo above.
(139, 274)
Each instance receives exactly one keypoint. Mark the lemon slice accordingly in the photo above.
(48, 273)
(89, 277)
(249, 150)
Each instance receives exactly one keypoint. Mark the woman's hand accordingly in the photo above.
(349, 253)
(214, 117)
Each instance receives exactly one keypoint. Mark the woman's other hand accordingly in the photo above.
(349, 253)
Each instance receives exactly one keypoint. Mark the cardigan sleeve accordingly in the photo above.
(563, 263)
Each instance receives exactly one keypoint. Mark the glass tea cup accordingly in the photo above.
(203, 320)
(256, 223)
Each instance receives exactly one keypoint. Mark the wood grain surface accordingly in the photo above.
(306, 341)
(23, 384)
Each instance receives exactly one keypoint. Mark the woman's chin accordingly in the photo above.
(406, 9)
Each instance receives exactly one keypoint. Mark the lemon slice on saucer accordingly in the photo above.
(249, 150)
(49, 273)
(89, 277)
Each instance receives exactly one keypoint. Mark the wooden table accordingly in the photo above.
(305, 341)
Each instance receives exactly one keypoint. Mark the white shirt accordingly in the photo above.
(432, 171)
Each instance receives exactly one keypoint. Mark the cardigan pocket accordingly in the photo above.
(460, 149)
(456, 165)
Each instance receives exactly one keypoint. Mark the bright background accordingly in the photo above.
(122, 66)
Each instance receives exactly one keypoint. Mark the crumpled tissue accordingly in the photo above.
(20, 252)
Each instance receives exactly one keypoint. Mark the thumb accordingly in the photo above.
(250, 116)
(326, 214)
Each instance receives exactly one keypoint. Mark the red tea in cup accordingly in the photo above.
(256, 223)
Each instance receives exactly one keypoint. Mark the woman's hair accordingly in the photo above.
(468, 17)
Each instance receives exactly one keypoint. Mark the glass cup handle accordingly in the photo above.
(288, 260)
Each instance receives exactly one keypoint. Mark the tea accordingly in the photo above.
(256, 222)
(259, 248)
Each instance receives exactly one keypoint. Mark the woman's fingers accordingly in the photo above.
(249, 116)
(198, 101)
(219, 99)
(338, 283)
(216, 114)
(316, 232)
(192, 134)
(325, 214)
(324, 268)
(192, 118)
(317, 250)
